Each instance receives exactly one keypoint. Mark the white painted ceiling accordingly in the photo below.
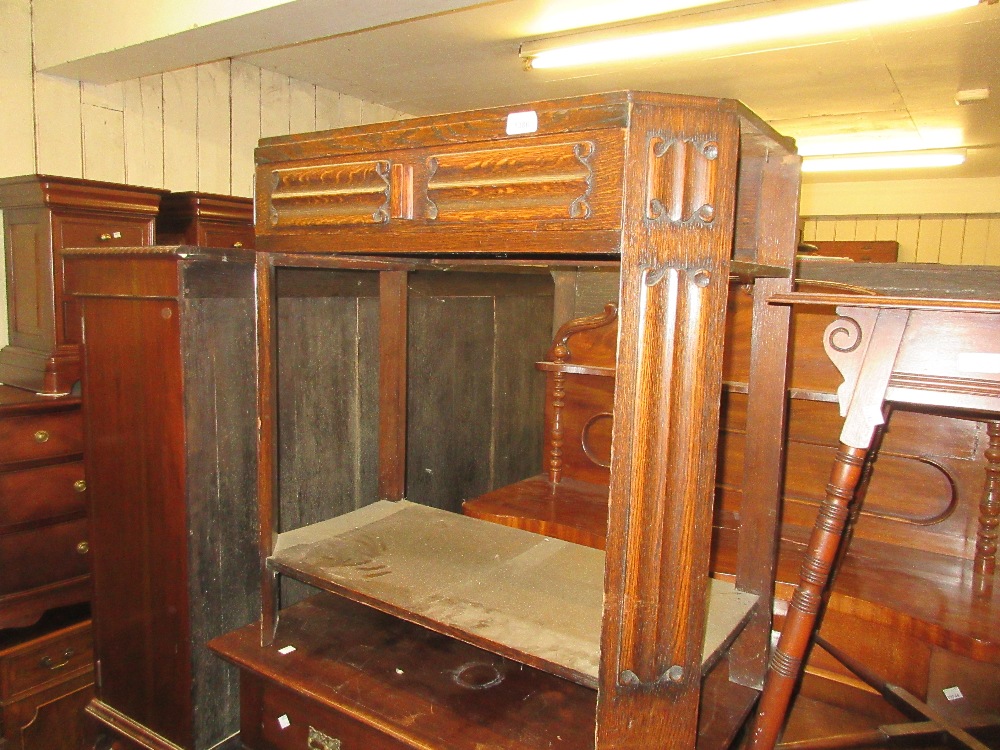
(902, 77)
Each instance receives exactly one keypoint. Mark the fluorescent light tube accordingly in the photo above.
(862, 162)
(563, 52)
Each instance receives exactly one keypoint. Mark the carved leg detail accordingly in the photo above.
(803, 611)
(989, 507)
(558, 402)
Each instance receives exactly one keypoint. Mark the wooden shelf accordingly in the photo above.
(531, 598)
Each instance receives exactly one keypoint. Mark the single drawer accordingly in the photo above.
(290, 722)
(37, 662)
(40, 436)
(227, 236)
(32, 495)
(49, 554)
(102, 231)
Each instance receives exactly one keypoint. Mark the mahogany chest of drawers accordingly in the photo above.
(43, 524)
(46, 679)
(41, 216)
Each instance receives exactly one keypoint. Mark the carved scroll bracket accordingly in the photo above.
(863, 344)
(681, 180)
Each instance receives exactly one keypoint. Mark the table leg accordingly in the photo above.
(786, 661)
(989, 507)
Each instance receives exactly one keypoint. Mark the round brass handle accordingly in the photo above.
(41, 436)
(80, 485)
(48, 663)
(83, 548)
(237, 244)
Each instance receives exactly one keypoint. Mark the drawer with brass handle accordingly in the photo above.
(43, 555)
(36, 662)
(55, 491)
(36, 437)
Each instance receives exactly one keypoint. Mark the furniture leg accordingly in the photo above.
(989, 509)
(786, 661)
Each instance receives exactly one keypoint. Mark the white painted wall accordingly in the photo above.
(954, 239)
(192, 129)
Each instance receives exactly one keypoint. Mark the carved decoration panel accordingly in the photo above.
(330, 195)
(681, 180)
(536, 182)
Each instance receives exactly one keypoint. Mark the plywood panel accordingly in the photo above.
(103, 140)
(17, 112)
(825, 229)
(350, 110)
(977, 235)
(845, 229)
(144, 131)
(865, 228)
(213, 128)
(327, 109)
(907, 232)
(180, 130)
(245, 105)
(952, 238)
(886, 227)
(274, 104)
(992, 257)
(57, 126)
(110, 96)
(929, 240)
(301, 106)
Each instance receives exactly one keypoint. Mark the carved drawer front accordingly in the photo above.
(530, 181)
(48, 492)
(36, 557)
(47, 659)
(328, 195)
(290, 722)
(40, 436)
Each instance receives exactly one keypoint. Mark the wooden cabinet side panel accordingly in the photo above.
(135, 464)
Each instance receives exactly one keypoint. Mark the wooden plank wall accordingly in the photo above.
(953, 239)
(191, 129)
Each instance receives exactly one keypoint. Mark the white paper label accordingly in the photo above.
(953, 693)
(984, 362)
(283, 721)
(522, 122)
(286, 650)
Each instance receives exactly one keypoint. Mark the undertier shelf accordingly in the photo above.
(531, 598)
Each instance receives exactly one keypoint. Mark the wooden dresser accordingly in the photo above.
(205, 219)
(41, 216)
(43, 525)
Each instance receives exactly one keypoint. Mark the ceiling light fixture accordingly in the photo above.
(596, 47)
(898, 160)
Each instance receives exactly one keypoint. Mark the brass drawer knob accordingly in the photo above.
(83, 548)
(237, 244)
(80, 485)
(48, 662)
(41, 436)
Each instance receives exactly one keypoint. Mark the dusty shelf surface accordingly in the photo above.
(532, 598)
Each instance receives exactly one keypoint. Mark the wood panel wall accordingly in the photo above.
(191, 129)
(953, 239)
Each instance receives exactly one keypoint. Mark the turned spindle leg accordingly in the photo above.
(786, 661)
(989, 507)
